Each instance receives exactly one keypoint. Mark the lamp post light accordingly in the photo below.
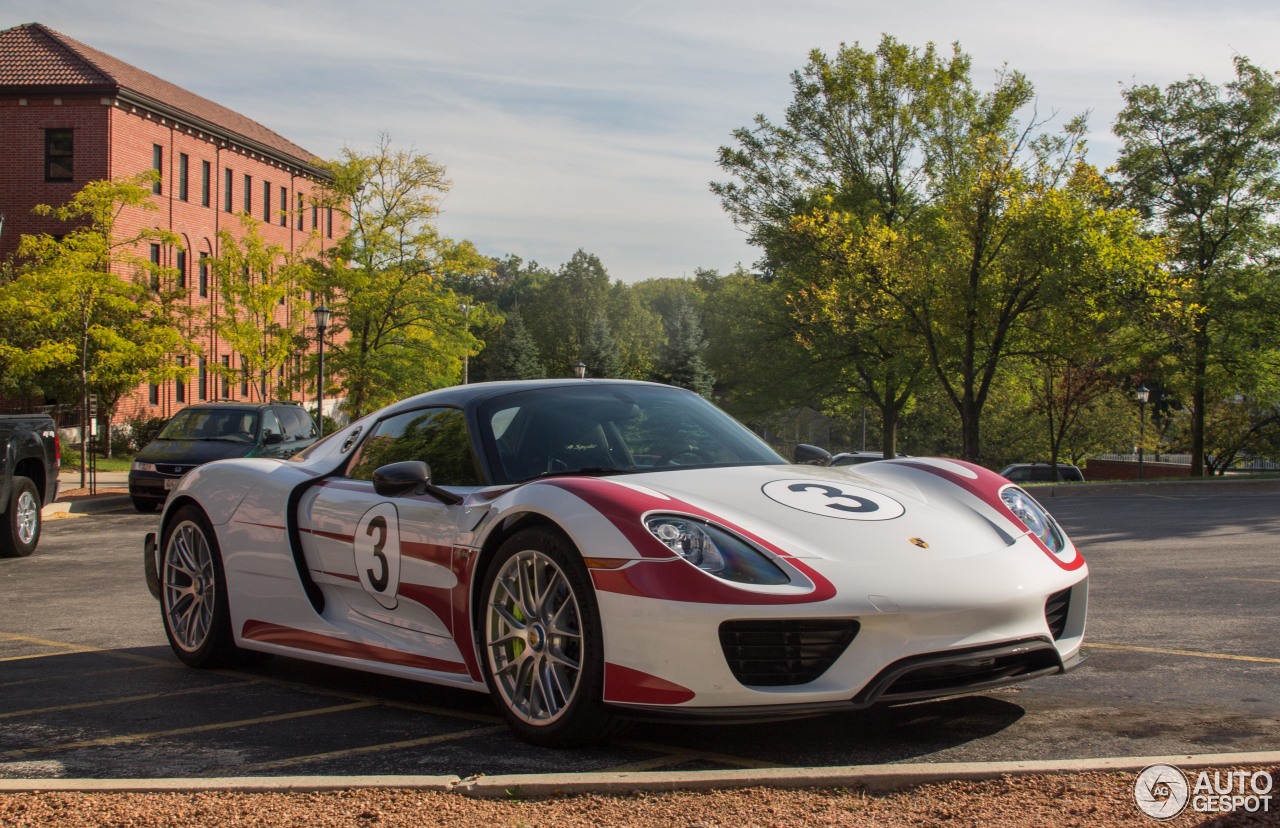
(321, 315)
(580, 369)
(1141, 394)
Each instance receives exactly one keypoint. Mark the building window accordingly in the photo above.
(182, 269)
(284, 206)
(248, 194)
(226, 379)
(202, 380)
(302, 213)
(206, 171)
(328, 222)
(204, 275)
(155, 267)
(315, 216)
(266, 201)
(180, 387)
(226, 189)
(153, 394)
(58, 154)
(244, 378)
(184, 164)
(157, 164)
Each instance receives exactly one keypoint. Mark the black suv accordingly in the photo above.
(206, 432)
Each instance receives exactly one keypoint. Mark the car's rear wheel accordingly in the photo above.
(543, 650)
(20, 524)
(193, 592)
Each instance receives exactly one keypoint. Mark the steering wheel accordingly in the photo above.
(686, 455)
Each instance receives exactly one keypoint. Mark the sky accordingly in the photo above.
(594, 124)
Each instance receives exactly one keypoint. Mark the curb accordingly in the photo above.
(865, 777)
(1166, 488)
(91, 505)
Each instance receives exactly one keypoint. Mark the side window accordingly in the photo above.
(437, 436)
(270, 424)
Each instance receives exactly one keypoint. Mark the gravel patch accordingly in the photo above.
(1039, 800)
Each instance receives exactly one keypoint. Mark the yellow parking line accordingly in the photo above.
(36, 711)
(77, 676)
(31, 656)
(183, 731)
(1256, 580)
(1190, 653)
(407, 743)
(685, 753)
(73, 649)
(650, 764)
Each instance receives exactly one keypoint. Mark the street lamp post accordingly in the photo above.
(321, 315)
(466, 356)
(1141, 394)
(580, 369)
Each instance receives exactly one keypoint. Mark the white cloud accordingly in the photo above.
(580, 123)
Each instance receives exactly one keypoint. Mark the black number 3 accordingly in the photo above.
(379, 523)
(863, 505)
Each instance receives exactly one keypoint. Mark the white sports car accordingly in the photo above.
(585, 548)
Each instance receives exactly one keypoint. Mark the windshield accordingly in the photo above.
(229, 424)
(611, 428)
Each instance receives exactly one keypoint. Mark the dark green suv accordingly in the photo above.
(205, 432)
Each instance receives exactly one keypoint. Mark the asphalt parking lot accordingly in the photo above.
(1183, 643)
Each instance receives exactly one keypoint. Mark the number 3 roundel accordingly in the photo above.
(377, 550)
(833, 500)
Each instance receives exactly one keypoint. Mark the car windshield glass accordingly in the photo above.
(231, 425)
(597, 429)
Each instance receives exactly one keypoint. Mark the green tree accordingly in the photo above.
(1200, 163)
(86, 306)
(513, 355)
(264, 311)
(682, 363)
(909, 207)
(600, 350)
(560, 312)
(398, 328)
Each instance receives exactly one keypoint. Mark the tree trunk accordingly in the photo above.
(1200, 369)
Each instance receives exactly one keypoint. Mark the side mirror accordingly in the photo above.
(271, 438)
(807, 455)
(409, 477)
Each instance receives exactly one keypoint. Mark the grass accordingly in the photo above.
(71, 462)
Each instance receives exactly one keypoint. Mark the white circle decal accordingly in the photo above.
(842, 501)
(377, 551)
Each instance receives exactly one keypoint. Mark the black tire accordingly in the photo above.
(21, 522)
(145, 505)
(194, 605)
(563, 641)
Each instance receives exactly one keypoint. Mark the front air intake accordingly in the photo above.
(1056, 609)
(782, 653)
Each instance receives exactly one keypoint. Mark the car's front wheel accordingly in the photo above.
(20, 524)
(193, 592)
(543, 649)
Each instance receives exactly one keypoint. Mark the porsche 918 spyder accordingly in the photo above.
(588, 549)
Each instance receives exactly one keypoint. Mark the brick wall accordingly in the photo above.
(116, 140)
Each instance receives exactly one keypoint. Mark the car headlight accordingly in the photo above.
(140, 466)
(714, 550)
(1039, 522)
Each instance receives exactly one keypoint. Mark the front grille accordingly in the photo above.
(780, 653)
(1055, 612)
(170, 469)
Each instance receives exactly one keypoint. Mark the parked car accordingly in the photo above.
(29, 459)
(205, 432)
(585, 550)
(1042, 473)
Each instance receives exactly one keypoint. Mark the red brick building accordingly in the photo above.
(70, 114)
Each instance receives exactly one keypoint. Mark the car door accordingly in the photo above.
(391, 559)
